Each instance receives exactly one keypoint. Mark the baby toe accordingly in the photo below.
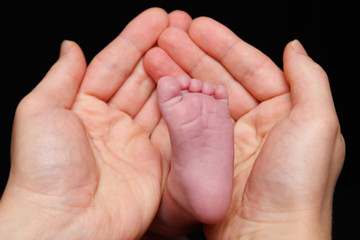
(184, 81)
(167, 88)
(195, 85)
(221, 93)
(208, 89)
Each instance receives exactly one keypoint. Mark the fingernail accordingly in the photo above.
(298, 47)
(64, 48)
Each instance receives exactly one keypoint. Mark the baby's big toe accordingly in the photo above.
(167, 88)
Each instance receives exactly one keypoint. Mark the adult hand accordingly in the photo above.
(288, 146)
(83, 164)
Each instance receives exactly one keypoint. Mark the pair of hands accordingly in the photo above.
(90, 151)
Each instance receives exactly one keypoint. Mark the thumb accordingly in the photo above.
(309, 85)
(61, 84)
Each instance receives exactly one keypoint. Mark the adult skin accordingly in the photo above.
(83, 165)
(289, 150)
(80, 145)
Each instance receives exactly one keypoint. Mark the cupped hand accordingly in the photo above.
(83, 163)
(288, 146)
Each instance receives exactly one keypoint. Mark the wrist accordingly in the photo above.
(306, 225)
(22, 220)
(302, 229)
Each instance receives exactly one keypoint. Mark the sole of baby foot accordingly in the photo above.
(201, 133)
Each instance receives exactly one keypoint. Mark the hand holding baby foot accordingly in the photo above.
(288, 145)
(199, 185)
(83, 165)
(84, 162)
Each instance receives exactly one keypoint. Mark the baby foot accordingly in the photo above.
(201, 134)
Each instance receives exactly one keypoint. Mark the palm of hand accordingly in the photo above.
(282, 133)
(105, 172)
(255, 188)
(281, 157)
(127, 165)
(90, 162)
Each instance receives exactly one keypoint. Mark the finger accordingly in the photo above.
(149, 116)
(111, 67)
(310, 89)
(179, 19)
(161, 141)
(134, 92)
(199, 65)
(157, 64)
(61, 84)
(254, 70)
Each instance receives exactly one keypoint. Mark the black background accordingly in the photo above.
(32, 34)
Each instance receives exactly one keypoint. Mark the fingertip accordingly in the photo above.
(201, 24)
(309, 84)
(144, 30)
(156, 12)
(160, 14)
(65, 47)
(70, 47)
(294, 49)
(61, 83)
(199, 21)
(158, 63)
(170, 36)
(298, 47)
(180, 19)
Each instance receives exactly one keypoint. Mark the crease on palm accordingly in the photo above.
(127, 162)
(114, 134)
